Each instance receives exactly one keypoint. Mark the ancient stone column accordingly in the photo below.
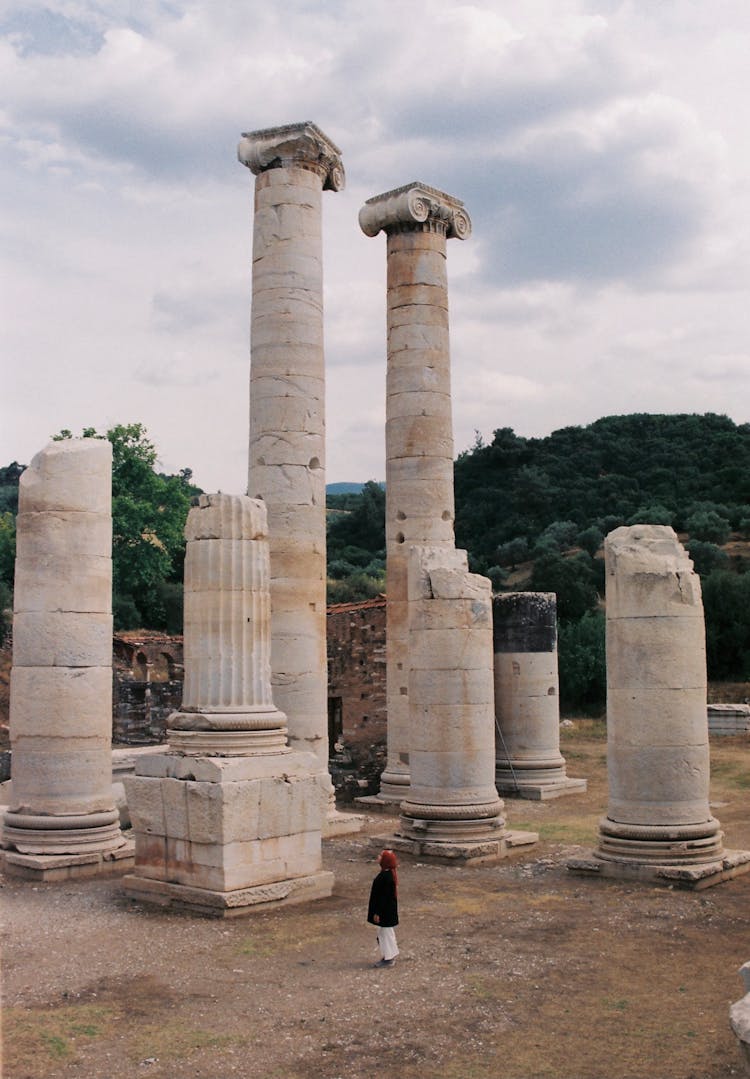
(229, 820)
(658, 825)
(62, 821)
(417, 221)
(452, 811)
(293, 165)
(528, 762)
(227, 705)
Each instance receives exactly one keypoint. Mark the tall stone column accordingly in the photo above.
(287, 409)
(528, 762)
(229, 821)
(62, 821)
(659, 825)
(417, 221)
(293, 165)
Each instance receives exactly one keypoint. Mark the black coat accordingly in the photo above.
(383, 900)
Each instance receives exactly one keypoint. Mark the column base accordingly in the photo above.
(57, 867)
(732, 863)
(44, 834)
(540, 791)
(242, 901)
(373, 803)
(462, 853)
(394, 786)
(337, 823)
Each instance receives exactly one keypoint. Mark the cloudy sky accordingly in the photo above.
(602, 148)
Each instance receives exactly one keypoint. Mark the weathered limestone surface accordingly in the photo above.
(62, 808)
(293, 165)
(528, 762)
(452, 811)
(417, 220)
(658, 824)
(230, 820)
(227, 689)
(739, 1018)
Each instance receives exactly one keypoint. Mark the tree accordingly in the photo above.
(572, 579)
(149, 510)
(708, 525)
(706, 557)
(582, 663)
(726, 602)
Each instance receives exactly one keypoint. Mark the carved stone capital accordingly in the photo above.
(415, 206)
(302, 145)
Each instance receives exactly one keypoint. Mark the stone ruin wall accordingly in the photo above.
(356, 695)
(147, 672)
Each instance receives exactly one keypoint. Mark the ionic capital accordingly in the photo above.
(415, 206)
(302, 145)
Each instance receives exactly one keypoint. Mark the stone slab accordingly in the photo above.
(57, 867)
(243, 901)
(541, 792)
(693, 878)
(481, 852)
(380, 803)
(338, 823)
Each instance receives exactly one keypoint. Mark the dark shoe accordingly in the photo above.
(385, 963)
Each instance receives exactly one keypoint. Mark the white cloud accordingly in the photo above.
(606, 181)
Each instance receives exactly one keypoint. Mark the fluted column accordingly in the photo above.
(229, 820)
(417, 220)
(528, 762)
(61, 681)
(293, 165)
(227, 704)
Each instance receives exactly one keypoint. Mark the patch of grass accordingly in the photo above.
(56, 1046)
(731, 772)
(585, 730)
(278, 939)
(485, 988)
(176, 1040)
(50, 1035)
(256, 949)
(579, 832)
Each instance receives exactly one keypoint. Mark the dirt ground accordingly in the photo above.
(516, 971)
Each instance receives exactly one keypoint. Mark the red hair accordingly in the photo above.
(387, 860)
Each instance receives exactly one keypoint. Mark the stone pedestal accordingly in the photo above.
(528, 762)
(62, 821)
(658, 826)
(229, 821)
(293, 165)
(452, 813)
(417, 220)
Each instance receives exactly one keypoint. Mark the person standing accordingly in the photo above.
(383, 908)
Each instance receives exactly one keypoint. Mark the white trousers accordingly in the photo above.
(387, 942)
